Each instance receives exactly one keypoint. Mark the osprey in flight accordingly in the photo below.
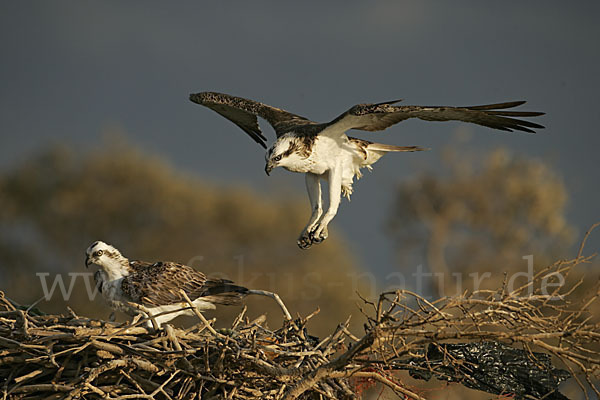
(146, 289)
(323, 151)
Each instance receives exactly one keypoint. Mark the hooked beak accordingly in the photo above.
(88, 261)
(268, 168)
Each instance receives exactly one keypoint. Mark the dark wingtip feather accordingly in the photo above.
(498, 106)
(258, 137)
(523, 129)
(389, 102)
(503, 121)
(517, 113)
(531, 124)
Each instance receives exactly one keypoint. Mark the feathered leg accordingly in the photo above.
(313, 187)
(334, 176)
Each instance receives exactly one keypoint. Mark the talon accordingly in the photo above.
(314, 235)
(304, 243)
(319, 235)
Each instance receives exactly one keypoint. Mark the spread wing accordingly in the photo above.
(377, 117)
(160, 283)
(244, 112)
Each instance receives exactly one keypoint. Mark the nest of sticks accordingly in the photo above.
(69, 356)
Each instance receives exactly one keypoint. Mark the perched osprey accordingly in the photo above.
(142, 288)
(323, 151)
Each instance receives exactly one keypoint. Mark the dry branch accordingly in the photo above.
(74, 357)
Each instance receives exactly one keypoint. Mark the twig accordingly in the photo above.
(201, 317)
(275, 297)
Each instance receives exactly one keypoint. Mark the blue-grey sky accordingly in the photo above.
(72, 70)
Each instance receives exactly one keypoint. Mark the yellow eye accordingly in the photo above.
(98, 253)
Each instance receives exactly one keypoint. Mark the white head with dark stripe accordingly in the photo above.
(290, 152)
(108, 258)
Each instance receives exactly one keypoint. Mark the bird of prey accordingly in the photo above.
(322, 151)
(146, 289)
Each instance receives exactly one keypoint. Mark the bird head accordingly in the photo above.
(272, 160)
(107, 258)
(283, 153)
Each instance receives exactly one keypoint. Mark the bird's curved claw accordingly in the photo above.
(315, 235)
(318, 234)
(305, 241)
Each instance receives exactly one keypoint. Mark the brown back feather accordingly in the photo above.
(160, 283)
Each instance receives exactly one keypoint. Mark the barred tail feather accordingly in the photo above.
(226, 299)
(376, 150)
(391, 147)
(223, 291)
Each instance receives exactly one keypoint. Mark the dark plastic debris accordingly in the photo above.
(491, 367)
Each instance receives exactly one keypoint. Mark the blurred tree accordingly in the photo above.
(482, 217)
(55, 205)
(475, 222)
